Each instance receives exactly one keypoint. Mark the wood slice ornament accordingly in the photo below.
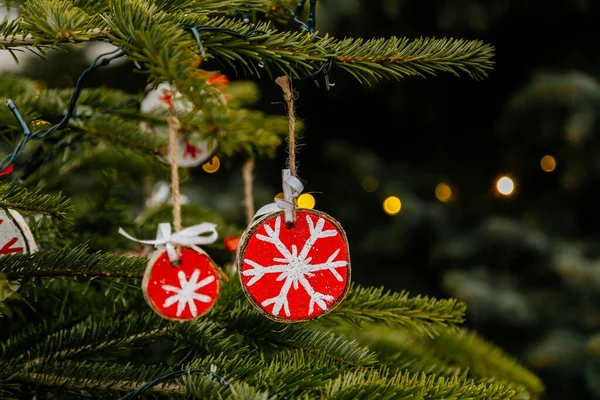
(15, 237)
(294, 273)
(181, 292)
(192, 149)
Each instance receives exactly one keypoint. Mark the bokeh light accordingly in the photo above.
(548, 163)
(306, 201)
(392, 205)
(370, 184)
(443, 192)
(212, 166)
(505, 186)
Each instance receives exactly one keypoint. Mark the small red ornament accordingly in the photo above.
(219, 81)
(231, 243)
(294, 274)
(181, 292)
(7, 170)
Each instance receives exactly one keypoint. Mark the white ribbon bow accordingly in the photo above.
(292, 188)
(204, 233)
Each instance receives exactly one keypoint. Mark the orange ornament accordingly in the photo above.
(231, 243)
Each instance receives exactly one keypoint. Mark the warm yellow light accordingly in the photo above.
(306, 201)
(443, 192)
(279, 196)
(212, 166)
(505, 185)
(39, 122)
(548, 163)
(370, 183)
(40, 87)
(392, 205)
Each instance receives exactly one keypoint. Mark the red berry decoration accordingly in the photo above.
(181, 292)
(294, 274)
(231, 243)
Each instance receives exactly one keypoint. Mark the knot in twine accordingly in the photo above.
(292, 188)
(204, 233)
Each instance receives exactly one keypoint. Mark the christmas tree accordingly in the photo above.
(85, 163)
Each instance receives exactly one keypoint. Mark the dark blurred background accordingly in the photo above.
(527, 262)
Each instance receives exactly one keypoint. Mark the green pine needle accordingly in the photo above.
(21, 199)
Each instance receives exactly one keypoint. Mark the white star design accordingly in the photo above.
(186, 294)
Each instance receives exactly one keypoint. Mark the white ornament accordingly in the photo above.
(190, 153)
(15, 237)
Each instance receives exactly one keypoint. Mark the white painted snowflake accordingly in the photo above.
(186, 293)
(295, 268)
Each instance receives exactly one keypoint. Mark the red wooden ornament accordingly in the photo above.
(294, 274)
(183, 292)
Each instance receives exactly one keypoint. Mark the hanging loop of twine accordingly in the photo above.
(248, 178)
(174, 128)
(204, 233)
(292, 187)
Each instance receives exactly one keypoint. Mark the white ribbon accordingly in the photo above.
(292, 188)
(204, 233)
(161, 193)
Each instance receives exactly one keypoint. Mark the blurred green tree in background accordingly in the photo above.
(524, 262)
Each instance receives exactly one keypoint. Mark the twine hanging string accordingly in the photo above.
(291, 184)
(203, 233)
(174, 127)
(292, 187)
(288, 94)
(247, 176)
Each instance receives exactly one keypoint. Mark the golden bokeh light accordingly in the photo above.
(548, 163)
(36, 123)
(392, 205)
(505, 186)
(306, 201)
(443, 192)
(370, 184)
(212, 166)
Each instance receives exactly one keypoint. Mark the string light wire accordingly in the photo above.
(101, 61)
(174, 375)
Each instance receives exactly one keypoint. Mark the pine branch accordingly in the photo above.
(255, 327)
(363, 384)
(416, 313)
(122, 134)
(241, 390)
(93, 335)
(151, 35)
(20, 199)
(105, 378)
(296, 373)
(484, 360)
(399, 351)
(51, 21)
(207, 337)
(71, 262)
